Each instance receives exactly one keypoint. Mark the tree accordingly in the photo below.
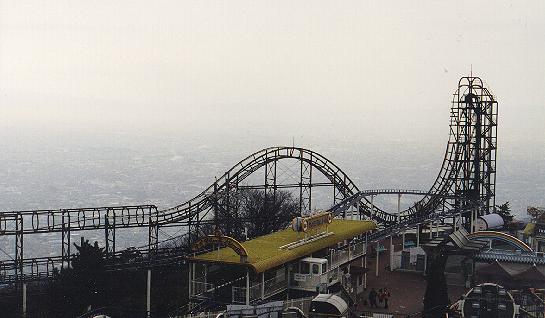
(436, 295)
(253, 211)
(504, 210)
(265, 213)
(249, 210)
(89, 269)
(83, 284)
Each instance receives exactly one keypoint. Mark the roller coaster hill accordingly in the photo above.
(463, 190)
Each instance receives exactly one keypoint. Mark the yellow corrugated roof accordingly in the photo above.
(264, 252)
(529, 229)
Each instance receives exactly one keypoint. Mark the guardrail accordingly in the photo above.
(272, 286)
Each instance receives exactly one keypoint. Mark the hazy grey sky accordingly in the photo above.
(360, 68)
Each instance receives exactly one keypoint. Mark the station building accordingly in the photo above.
(317, 255)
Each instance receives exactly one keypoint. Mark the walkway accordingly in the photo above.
(406, 288)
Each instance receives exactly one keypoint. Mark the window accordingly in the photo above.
(315, 269)
(305, 268)
(324, 268)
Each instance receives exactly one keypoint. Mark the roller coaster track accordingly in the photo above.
(469, 165)
(467, 175)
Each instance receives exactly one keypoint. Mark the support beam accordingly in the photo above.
(205, 276)
(475, 216)
(358, 210)
(247, 286)
(391, 253)
(364, 265)
(305, 187)
(417, 235)
(19, 250)
(148, 295)
(270, 178)
(376, 267)
(189, 281)
(398, 207)
(193, 275)
(399, 220)
(263, 285)
(372, 207)
(65, 239)
(109, 224)
(24, 301)
(153, 231)
(471, 223)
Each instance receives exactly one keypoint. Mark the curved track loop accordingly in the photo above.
(250, 164)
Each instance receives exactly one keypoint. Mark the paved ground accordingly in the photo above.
(406, 288)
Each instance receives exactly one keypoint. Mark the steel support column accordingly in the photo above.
(305, 187)
(190, 232)
(19, 250)
(372, 207)
(338, 195)
(109, 224)
(148, 294)
(65, 238)
(270, 180)
(247, 286)
(376, 266)
(153, 231)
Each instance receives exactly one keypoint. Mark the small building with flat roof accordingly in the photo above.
(279, 264)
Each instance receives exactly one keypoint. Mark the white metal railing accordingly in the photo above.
(199, 287)
(272, 286)
(358, 250)
(345, 254)
(208, 314)
(275, 284)
(239, 295)
(334, 275)
(255, 291)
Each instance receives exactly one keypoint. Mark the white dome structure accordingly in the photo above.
(489, 222)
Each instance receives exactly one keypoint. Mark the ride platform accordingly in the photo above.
(266, 252)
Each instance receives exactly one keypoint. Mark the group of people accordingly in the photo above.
(382, 296)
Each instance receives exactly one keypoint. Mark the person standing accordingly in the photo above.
(386, 297)
(373, 298)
